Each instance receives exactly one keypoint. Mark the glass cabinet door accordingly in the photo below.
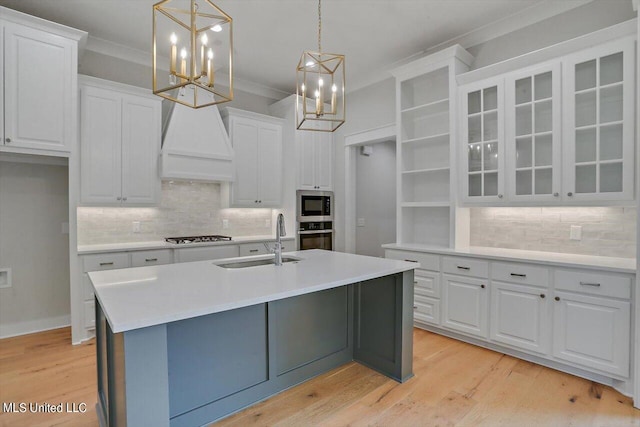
(482, 134)
(533, 126)
(599, 109)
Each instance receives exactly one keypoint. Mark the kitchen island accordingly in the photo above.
(187, 344)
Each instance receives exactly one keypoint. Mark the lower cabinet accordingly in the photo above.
(579, 318)
(593, 332)
(464, 302)
(521, 316)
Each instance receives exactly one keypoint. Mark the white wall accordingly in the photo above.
(376, 198)
(33, 207)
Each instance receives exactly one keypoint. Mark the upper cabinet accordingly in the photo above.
(559, 132)
(119, 144)
(39, 64)
(315, 151)
(599, 116)
(257, 145)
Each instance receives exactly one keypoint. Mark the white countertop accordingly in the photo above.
(135, 298)
(618, 265)
(161, 244)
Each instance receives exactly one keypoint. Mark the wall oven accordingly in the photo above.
(314, 206)
(315, 235)
(315, 220)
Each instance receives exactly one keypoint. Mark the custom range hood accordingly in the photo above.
(195, 144)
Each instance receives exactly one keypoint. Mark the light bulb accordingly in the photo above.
(183, 53)
(204, 39)
(210, 54)
(320, 82)
(310, 64)
(317, 94)
(334, 88)
(302, 87)
(173, 38)
(216, 28)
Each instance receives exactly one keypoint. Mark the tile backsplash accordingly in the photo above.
(606, 231)
(186, 209)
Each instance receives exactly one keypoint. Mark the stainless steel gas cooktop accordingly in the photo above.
(197, 239)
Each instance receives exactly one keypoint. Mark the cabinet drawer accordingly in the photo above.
(426, 261)
(520, 273)
(89, 314)
(426, 310)
(247, 249)
(99, 262)
(156, 257)
(465, 266)
(602, 284)
(206, 253)
(426, 283)
(87, 287)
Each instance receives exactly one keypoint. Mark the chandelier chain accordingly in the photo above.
(319, 27)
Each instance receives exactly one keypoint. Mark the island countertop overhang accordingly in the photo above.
(140, 297)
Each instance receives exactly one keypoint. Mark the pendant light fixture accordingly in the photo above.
(192, 52)
(320, 86)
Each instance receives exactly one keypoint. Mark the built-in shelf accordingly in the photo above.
(438, 106)
(417, 171)
(431, 139)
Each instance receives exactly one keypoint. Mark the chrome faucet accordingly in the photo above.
(280, 231)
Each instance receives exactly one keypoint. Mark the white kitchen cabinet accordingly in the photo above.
(257, 144)
(464, 305)
(593, 332)
(119, 144)
(482, 141)
(39, 78)
(152, 257)
(599, 120)
(533, 134)
(315, 160)
(205, 253)
(521, 316)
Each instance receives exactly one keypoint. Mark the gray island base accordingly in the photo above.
(195, 371)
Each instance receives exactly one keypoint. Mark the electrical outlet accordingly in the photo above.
(225, 223)
(576, 232)
(136, 226)
(360, 222)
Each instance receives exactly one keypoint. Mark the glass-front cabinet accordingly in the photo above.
(599, 117)
(533, 127)
(482, 141)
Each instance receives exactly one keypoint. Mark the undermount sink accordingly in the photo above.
(255, 262)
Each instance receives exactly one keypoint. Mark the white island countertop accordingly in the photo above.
(134, 298)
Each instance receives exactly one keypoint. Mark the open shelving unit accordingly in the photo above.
(426, 106)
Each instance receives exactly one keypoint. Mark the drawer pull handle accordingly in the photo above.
(150, 259)
(557, 298)
(518, 275)
(415, 282)
(415, 307)
(589, 284)
(462, 267)
(102, 264)
(482, 286)
(253, 250)
(542, 296)
(411, 260)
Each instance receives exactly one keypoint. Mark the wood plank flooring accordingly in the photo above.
(455, 384)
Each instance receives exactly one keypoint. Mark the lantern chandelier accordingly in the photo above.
(320, 85)
(197, 39)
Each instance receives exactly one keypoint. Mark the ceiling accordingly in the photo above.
(270, 35)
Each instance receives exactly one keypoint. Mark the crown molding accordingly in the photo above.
(529, 16)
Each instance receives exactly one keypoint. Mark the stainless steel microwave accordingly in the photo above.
(314, 205)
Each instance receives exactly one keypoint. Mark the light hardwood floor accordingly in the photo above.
(455, 384)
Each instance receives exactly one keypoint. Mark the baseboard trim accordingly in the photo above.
(32, 326)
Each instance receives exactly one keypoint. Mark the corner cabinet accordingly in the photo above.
(39, 78)
(257, 144)
(119, 144)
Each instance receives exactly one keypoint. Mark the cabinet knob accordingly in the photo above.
(557, 298)
(118, 198)
(482, 286)
(415, 307)
(255, 201)
(499, 196)
(124, 198)
(8, 139)
(569, 194)
(556, 194)
(542, 296)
